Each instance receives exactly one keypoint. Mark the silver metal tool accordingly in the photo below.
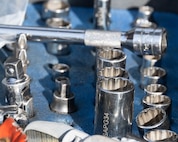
(102, 14)
(60, 69)
(114, 107)
(20, 51)
(152, 75)
(151, 118)
(140, 40)
(143, 19)
(161, 136)
(110, 57)
(112, 72)
(18, 86)
(160, 101)
(56, 48)
(150, 61)
(63, 99)
(55, 8)
(155, 89)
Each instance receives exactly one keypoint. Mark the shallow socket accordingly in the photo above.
(161, 136)
(152, 75)
(116, 84)
(151, 118)
(110, 57)
(160, 101)
(155, 89)
(111, 72)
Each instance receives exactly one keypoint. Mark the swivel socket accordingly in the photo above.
(63, 99)
(151, 118)
(152, 75)
(114, 107)
(161, 136)
(55, 8)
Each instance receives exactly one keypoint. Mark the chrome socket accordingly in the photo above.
(155, 89)
(63, 99)
(112, 72)
(161, 136)
(159, 101)
(56, 48)
(55, 8)
(60, 69)
(152, 75)
(151, 118)
(143, 19)
(114, 107)
(150, 61)
(110, 57)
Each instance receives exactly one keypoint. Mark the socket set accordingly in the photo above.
(59, 54)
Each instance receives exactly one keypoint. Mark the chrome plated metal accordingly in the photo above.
(63, 99)
(159, 101)
(18, 86)
(161, 136)
(112, 72)
(151, 118)
(21, 51)
(110, 57)
(102, 14)
(155, 89)
(152, 75)
(141, 40)
(56, 48)
(143, 19)
(55, 8)
(114, 107)
(150, 61)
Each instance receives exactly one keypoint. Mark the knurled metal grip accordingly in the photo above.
(149, 41)
(102, 38)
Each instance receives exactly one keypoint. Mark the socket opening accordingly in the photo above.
(116, 84)
(161, 135)
(154, 72)
(146, 10)
(151, 118)
(157, 101)
(111, 54)
(113, 72)
(60, 68)
(156, 89)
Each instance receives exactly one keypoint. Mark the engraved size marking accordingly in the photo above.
(105, 124)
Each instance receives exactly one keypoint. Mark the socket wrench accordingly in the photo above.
(114, 107)
(140, 40)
